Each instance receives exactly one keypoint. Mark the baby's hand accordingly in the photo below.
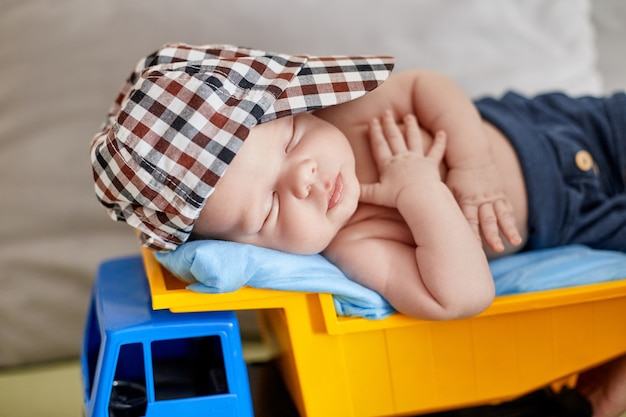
(400, 159)
(480, 194)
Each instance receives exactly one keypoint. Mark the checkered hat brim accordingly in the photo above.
(185, 111)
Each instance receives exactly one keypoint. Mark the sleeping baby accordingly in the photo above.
(407, 186)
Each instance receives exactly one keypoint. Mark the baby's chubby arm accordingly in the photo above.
(446, 276)
(473, 176)
(440, 104)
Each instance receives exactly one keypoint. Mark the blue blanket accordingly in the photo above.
(218, 266)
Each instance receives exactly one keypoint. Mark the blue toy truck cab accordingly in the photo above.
(140, 362)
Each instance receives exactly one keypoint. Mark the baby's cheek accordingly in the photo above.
(308, 239)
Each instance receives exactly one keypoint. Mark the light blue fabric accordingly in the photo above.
(218, 266)
(565, 266)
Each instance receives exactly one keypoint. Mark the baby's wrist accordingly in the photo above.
(477, 155)
(421, 194)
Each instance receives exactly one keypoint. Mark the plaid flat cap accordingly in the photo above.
(185, 111)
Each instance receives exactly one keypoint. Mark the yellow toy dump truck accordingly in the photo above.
(347, 366)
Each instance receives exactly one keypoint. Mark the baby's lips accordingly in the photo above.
(336, 193)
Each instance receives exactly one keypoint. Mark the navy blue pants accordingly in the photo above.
(573, 155)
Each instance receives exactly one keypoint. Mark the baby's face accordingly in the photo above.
(291, 187)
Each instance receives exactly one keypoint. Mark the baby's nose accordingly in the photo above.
(304, 177)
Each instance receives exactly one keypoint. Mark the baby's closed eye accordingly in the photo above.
(271, 208)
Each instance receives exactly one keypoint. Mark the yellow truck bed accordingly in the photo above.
(348, 366)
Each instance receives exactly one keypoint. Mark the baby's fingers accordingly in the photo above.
(470, 212)
(506, 222)
(497, 221)
(438, 148)
(378, 143)
(413, 134)
(374, 194)
(393, 134)
(489, 227)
